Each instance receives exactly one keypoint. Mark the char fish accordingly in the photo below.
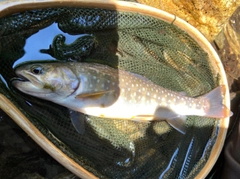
(102, 91)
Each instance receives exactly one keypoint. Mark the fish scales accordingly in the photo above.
(136, 92)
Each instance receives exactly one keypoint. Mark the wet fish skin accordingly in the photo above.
(102, 91)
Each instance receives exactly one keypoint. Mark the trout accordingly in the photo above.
(102, 91)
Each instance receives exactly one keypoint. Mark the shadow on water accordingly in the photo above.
(108, 148)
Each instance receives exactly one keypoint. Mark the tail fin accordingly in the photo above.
(216, 108)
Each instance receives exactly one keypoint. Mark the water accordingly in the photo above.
(42, 40)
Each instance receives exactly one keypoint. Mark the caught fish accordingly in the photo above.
(102, 91)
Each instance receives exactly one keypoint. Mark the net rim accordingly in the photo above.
(13, 6)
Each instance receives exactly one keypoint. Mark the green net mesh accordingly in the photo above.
(131, 41)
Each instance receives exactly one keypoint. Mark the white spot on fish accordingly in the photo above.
(90, 85)
(132, 85)
(94, 77)
(113, 83)
(98, 80)
(122, 80)
(103, 85)
(108, 81)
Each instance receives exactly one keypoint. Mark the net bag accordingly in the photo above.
(127, 36)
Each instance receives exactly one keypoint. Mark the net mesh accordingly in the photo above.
(134, 42)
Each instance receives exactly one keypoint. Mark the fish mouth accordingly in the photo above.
(27, 77)
(20, 78)
(26, 86)
(28, 83)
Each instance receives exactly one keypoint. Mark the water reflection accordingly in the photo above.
(42, 40)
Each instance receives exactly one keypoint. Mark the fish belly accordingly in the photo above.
(122, 109)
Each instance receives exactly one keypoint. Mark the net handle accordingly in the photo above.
(22, 121)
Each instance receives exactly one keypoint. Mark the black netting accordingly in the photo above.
(131, 41)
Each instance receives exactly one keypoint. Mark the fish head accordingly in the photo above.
(46, 80)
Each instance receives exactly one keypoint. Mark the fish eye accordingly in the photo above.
(37, 70)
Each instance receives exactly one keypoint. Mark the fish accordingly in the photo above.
(99, 90)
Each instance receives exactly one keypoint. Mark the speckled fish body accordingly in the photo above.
(102, 91)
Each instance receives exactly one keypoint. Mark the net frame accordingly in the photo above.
(9, 7)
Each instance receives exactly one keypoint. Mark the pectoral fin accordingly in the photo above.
(175, 120)
(78, 121)
(97, 94)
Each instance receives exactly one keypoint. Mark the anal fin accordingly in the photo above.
(175, 120)
(178, 123)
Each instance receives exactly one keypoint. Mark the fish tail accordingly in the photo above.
(216, 109)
